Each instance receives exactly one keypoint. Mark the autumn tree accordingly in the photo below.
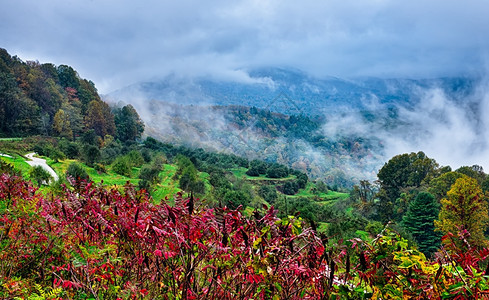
(100, 118)
(62, 125)
(75, 117)
(464, 208)
(110, 128)
(94, 118)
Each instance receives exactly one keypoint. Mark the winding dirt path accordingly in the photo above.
(36, 161)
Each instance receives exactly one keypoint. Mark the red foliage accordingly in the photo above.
(107, 244)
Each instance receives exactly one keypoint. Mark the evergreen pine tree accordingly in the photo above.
(419, 221)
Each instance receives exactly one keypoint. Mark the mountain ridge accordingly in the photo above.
(311, 94)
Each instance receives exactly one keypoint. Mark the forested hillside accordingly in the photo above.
(44, 99)
(298, 141)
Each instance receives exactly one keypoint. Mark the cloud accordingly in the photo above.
(453, 131)
(115, 43)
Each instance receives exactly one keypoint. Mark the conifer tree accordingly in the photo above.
(419, 221)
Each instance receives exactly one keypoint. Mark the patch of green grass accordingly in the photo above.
(332, 195)
(18, 162)
(167, 187)
(241, 173)
(11, 139)
(308, 192)
(110, 178)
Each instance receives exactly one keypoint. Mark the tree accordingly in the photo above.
(400, 172)
(135, 158)
(40, 175)
(419, 221)
(253, 172)
(268, 193)
(109, 119)
(122, 166)
(75, 117)
(95, 118)
(56, 154)
(77, 172)
(406, 170)
(302, 180)
(90, 154)
(290, 188)
(475, 171)
(86, 93)
(443, 183)
(90, 137)
(464, 208)
(62, 125)
(188, 180)
(363, 195)
(233, 199)
(68, 77)
(259, 166)
(277, 171)
(149, 175)
(18, 113)
(128, 124)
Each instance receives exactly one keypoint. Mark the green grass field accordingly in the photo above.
(110, 178)
(241, 173)
(166, 188)
(321, 197)
(18, 162)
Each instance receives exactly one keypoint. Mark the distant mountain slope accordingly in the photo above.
(290, 91)
(296, 141)
(358, 124)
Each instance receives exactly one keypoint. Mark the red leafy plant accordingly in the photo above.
(106, 243)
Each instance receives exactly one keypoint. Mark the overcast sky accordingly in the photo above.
(118, 42)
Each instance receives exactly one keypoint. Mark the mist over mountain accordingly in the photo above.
(266, 88)
(359, 123)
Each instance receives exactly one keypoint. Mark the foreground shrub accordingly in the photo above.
(95, 243)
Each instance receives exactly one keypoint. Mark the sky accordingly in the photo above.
(115, 43)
